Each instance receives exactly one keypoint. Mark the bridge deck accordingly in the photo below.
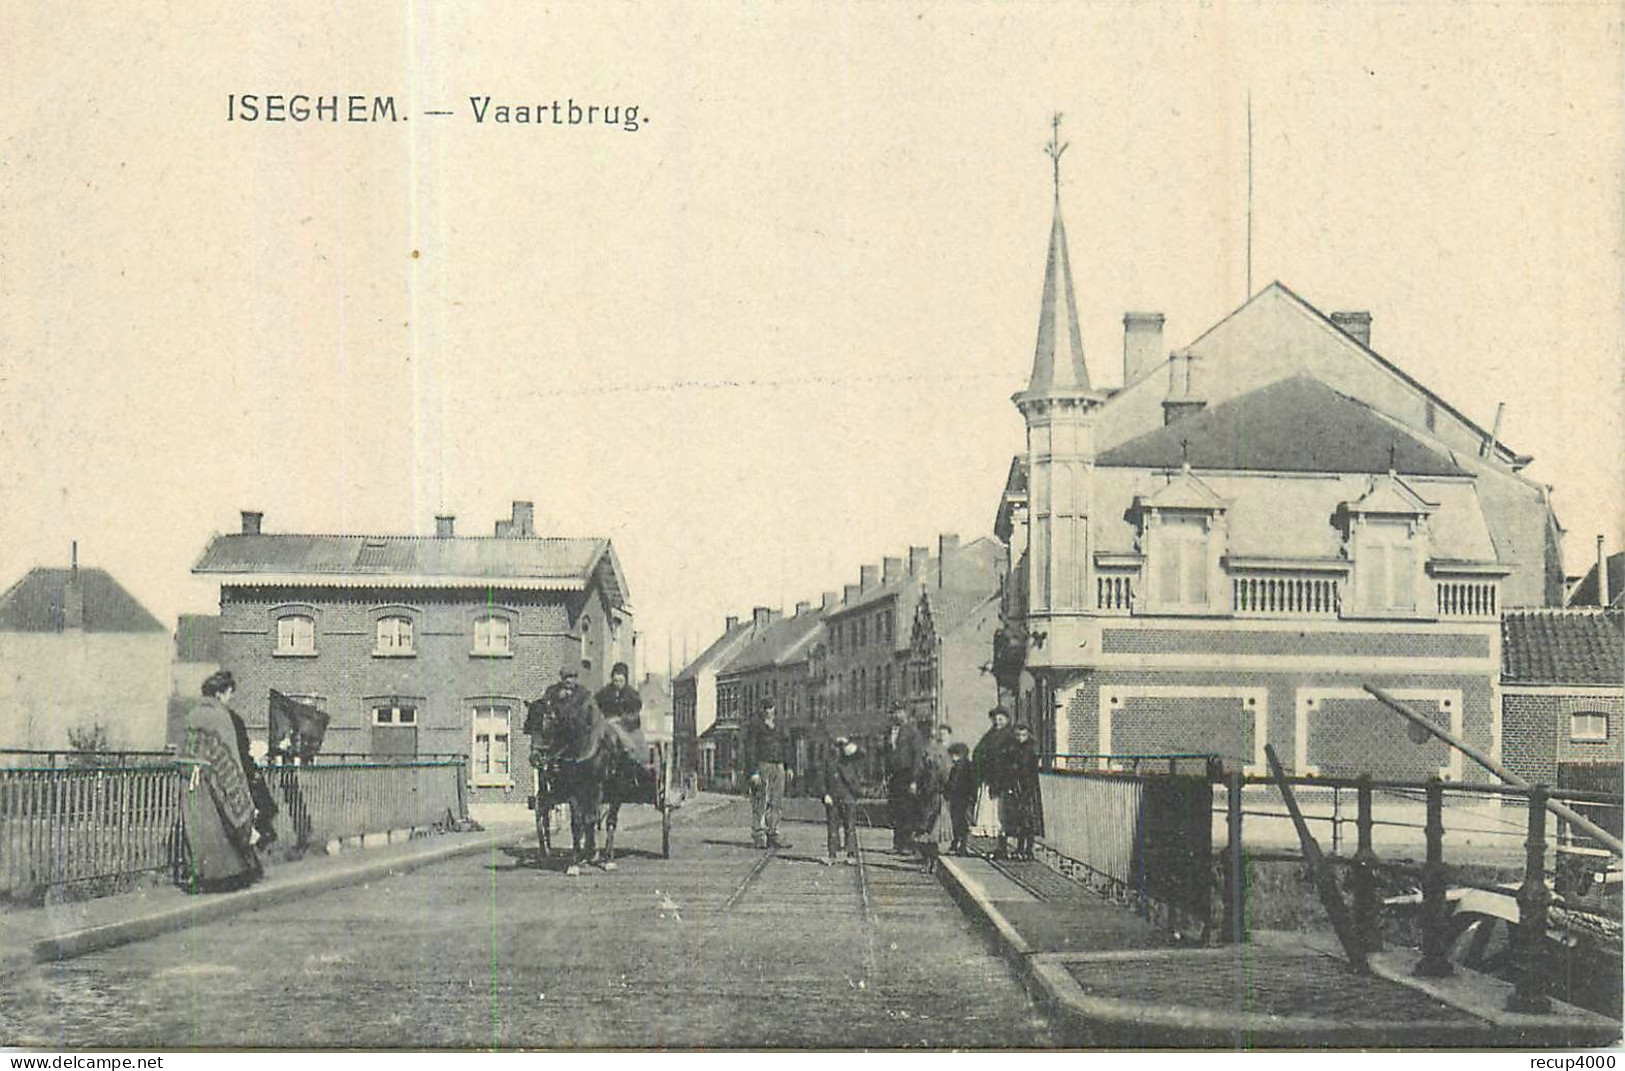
(721, 946)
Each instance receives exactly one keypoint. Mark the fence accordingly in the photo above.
(1145, 835)
(333, 801)
(64, 823)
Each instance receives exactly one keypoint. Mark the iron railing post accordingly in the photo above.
(1235, 866)
(1364, 875)
(1435, 963)
(1529, 938)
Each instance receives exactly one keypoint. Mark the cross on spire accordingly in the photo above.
(1054, 150)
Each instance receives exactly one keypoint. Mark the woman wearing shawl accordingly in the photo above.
(218, 803)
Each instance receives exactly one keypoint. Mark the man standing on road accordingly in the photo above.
(903, 747)
(766, 752)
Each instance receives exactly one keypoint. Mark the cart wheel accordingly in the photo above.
(665, 833)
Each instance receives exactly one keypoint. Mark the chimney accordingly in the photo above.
(760, 616)
(1184, 397)
(1602, 574)
(1488, 449)
(893, 569)
(251, 521)
(868, 576)
(947, 547)
(445, 526)
(830, 599)
(802, 607)
(1142, 344)
(730, 623)
(524, 519)
(852, 592)
(73, 594)
(504, 529)
(1355, 324)
(918, 559)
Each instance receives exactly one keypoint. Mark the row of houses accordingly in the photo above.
(1218, 555)
(914, 630)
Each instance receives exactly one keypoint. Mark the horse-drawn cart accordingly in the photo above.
(654, 783)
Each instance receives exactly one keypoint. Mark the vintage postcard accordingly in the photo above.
(823, 526)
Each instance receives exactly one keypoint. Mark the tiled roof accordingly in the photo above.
(1563, 647)
(1296, 424)
(719, 648)
(978, 560)
(34, 604)
(1585, 593)
(197, 638)
(545, 563)
(950, 609)
(783, 641)
(1291, 516)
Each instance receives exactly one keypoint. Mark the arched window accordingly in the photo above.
(491, 635)
(296, 634)
(394, 636)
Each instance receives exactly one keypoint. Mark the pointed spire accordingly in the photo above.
(1058, 357)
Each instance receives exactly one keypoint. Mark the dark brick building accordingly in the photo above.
(418, 645)
(1562, 693)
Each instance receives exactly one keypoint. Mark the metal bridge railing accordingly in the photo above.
(62, 824)
(59, 826)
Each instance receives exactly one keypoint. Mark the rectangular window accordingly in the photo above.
(1387, 568)
(1180, 572)
(1588, 726)
(296, 634)
(489, 761)
(863, 631)
(491, 636)
(394, 636)
(395, 715)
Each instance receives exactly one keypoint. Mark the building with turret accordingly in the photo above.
(1222, 552)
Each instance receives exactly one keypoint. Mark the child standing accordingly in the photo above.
(960, 793)
(842, 777)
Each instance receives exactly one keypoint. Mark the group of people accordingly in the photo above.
(935, 786)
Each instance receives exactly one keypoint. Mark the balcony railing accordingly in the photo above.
(1295, 595)
(1114, 593)
(1467, 598)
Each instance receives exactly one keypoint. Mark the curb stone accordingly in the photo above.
(81, 941)
(1086, 1019)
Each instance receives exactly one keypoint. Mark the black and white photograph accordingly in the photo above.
(817, 527)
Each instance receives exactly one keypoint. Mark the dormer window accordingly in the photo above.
(1182, 539)
(1180, 562)
(1387, 540)
(1387, 572)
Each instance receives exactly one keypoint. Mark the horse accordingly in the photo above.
(577, 761)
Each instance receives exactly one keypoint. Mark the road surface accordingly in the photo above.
(723, 946)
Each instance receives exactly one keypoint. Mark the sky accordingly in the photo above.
(772, 334)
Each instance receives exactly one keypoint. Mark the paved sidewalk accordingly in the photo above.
(61, 931)
(1120, 982)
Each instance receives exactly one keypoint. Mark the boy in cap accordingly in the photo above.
(960, 792)
(842, 775)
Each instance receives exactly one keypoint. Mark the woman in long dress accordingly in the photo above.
(930, 778)
(218, 805)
